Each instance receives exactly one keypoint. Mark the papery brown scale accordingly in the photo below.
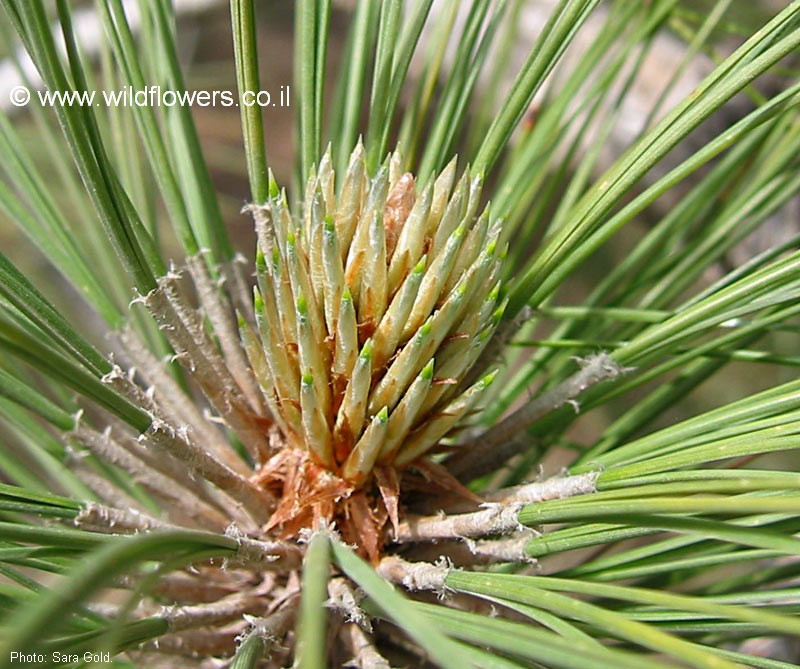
(442, 479)
(338, 386)
(343, 442)
(354, 270)
(398, 206)
(364, 525)
(389, 487)
(365, 330)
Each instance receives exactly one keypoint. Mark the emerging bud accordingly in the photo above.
(374, 307)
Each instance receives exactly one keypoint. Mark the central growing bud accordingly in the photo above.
(372, 310)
